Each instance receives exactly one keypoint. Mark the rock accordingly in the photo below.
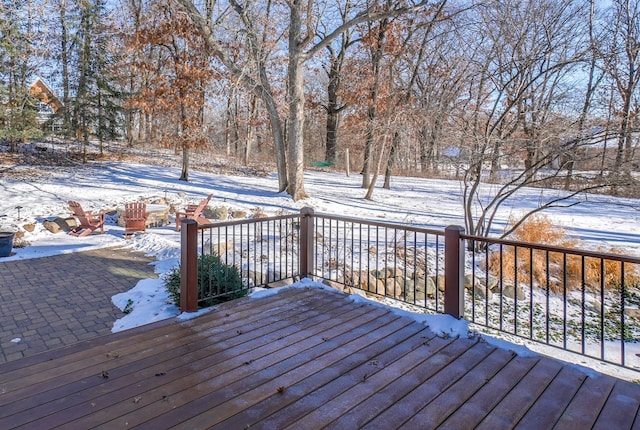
(219, 213)
(438, 281)
(254, 278)
(471, 281)
(352, 278)
(418, 274)
(218, 248)
(238, 214)
(336, 285)
(281, 283)
(372, 284)
(52, 226)
(394, 287)
(482, 293)
(419, 289)
(357, 291)
(60, 224)
(29, 227)
(260, 278)
(493, 283)
(426, 286)
(408, 288)
(274, 276)
(414, 290)
(387, 273)
(379, 274)
(510, 292)
(395, 272)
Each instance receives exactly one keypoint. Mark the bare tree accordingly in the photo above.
(529, 51)
(337, 53)
(300, 26)
(622, 65)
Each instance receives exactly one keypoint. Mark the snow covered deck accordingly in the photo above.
(303, 358)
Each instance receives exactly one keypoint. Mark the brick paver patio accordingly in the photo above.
(56, 301)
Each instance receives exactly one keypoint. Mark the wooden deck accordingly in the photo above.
(303, 359)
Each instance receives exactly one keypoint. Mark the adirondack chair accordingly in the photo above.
(135, 218)
(87, 220)
(193, 212)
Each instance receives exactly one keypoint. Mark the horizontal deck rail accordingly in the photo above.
(581, 301)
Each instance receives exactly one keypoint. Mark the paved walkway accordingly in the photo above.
(52, 302)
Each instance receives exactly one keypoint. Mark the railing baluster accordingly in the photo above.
(501, 285)
(564, 301)
(602, 275)
(583, 298)
(547, 298)
(622, 325)
(530, 293)
(515, 290)
(486, 274)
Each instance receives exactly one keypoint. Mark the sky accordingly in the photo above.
(599, 221)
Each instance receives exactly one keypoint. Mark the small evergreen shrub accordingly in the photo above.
(214, 279)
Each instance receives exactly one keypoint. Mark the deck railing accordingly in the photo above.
(580, 301)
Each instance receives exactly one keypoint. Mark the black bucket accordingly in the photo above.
(6, 243)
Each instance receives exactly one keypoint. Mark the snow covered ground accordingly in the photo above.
(601, 220)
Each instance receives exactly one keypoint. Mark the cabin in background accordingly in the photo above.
(48, 105)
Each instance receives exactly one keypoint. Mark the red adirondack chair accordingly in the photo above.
(135, 217)
(88, 221)
(193, 212)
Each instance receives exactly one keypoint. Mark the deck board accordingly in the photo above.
(445, 404)
(303, 397)
(226, 354)
(303, 358)
(586, 404)
(472, 411)
(554, 400)
(400, 393)
(524, 394)
(621, 408)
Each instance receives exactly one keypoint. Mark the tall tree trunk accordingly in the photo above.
(591, 87)
(64, 59)
(101, 124)
(376, 59)
(374, 179)
(184, 174)
(496, 148)
(227, 125)
(424, 149)
(332, 119)
(333, 108)
(295, 125)
(391, 161)
(368, 145)
(251, 133)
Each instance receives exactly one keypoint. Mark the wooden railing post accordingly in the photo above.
(306, 242)
(189, 266)
(454, 271)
